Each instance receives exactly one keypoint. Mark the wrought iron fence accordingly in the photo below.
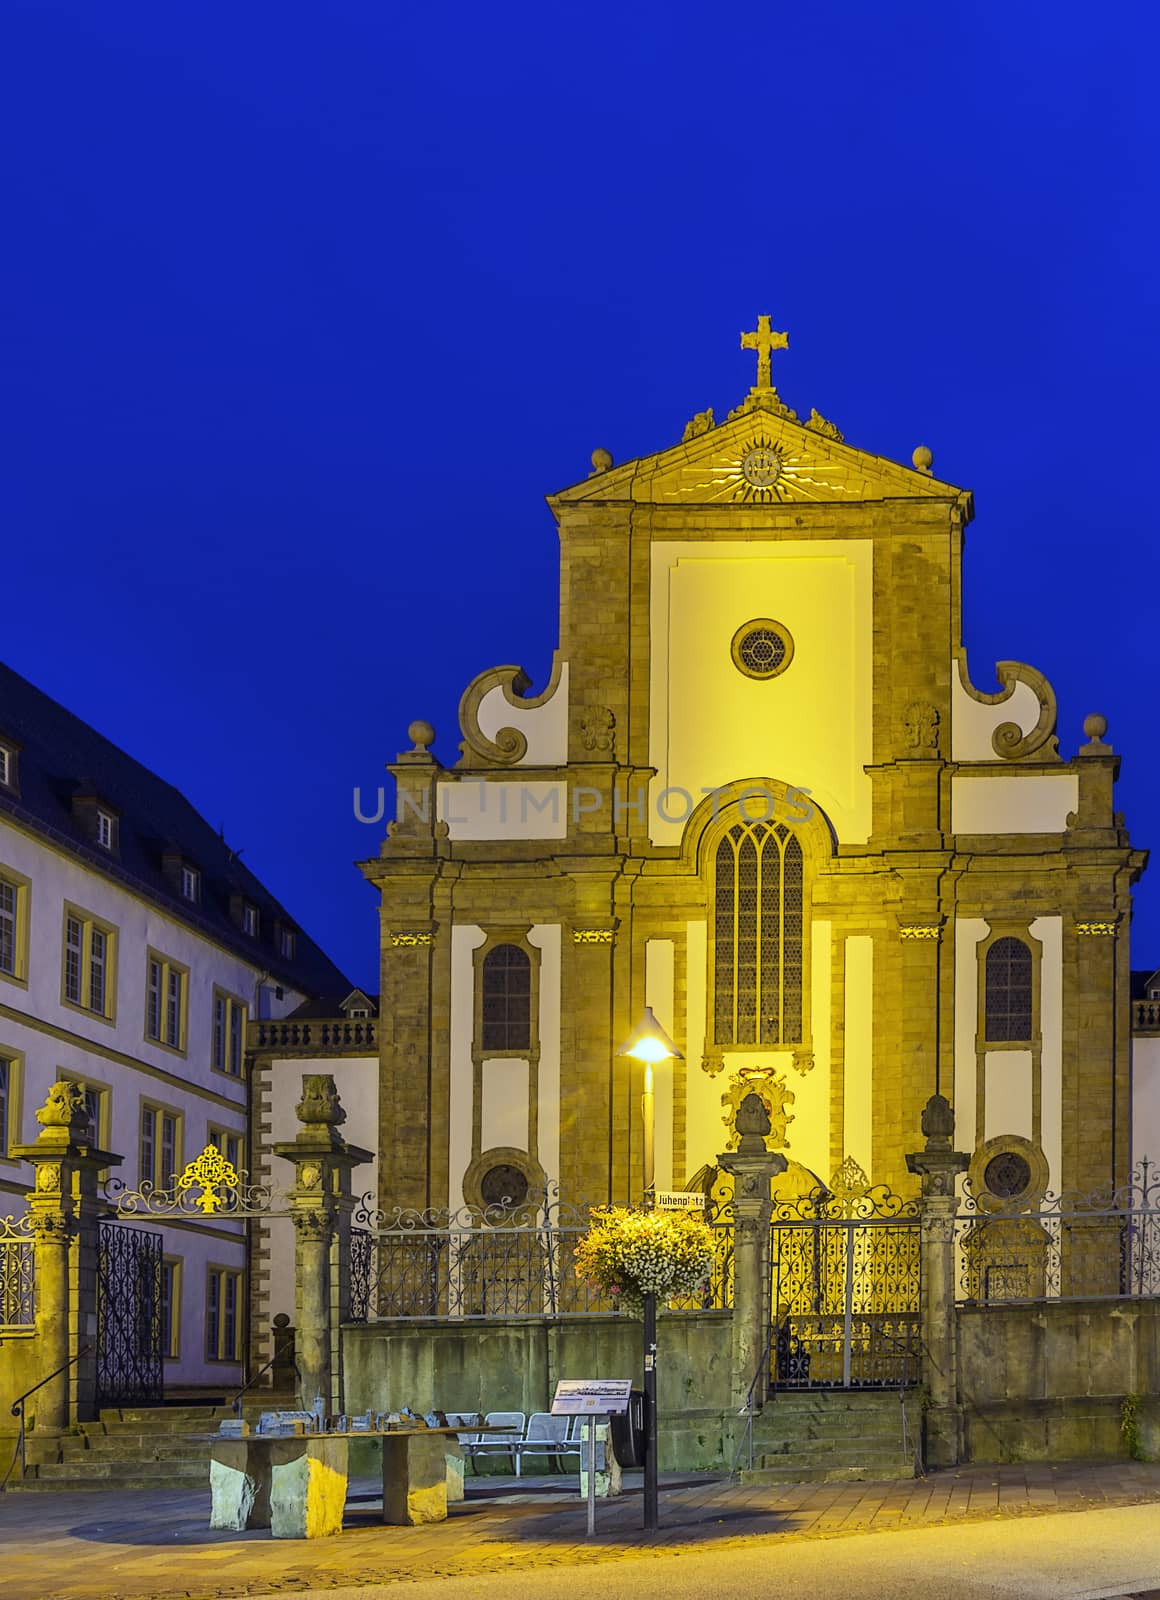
(495, 1261)
(17, 1282)
(1103, 1245)
(129, 1325)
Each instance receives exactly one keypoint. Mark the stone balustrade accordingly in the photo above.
(1146, 1016)
(315, 1036)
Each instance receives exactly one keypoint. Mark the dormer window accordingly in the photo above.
(359, 1011)
(286, 943)
(106, 829)
(250, 922)
(190, 884)
(7, 767)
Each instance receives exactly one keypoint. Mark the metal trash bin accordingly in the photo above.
(628, 1432)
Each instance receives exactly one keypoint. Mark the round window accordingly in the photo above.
(762, 648)
(1007, 1175)
(504, 1185)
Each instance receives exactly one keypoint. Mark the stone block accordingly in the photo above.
(239, 1481)
(455, 1467)
(414, 1478)
(308, 1479)
(608, 1484)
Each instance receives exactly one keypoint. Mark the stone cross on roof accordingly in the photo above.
(764, 340)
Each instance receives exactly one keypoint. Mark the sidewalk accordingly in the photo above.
(153, 1546)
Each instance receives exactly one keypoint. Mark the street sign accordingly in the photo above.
(678, 1200)
(581, 1397)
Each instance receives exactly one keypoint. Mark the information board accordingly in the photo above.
(581, 1397)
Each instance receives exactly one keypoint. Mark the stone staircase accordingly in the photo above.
(146, 1447)
(837, 1436)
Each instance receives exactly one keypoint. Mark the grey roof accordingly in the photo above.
(61, 756)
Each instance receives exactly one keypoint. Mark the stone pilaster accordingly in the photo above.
(321, 1209)
(939, 1165)
(64, 1206)
(752, 1164)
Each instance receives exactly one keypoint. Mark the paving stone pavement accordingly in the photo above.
(156, 1545)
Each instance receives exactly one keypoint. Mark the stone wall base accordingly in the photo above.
(1077, 1427)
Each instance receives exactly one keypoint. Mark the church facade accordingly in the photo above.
(762, 794)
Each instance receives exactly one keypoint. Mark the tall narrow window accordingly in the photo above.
(8, 903)
(170, 1306)
(229, 1022)
(7, 1071)
(759, 941)
(88, 963)
(223, 1297)
(160, 1139)
(165, 986)
(507, 999)
(148, 1144)
(73, 937)
(98, 948)
(1008, 1006)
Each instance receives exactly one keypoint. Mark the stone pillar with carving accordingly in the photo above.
(753, 1165)
(939, 1164)
(65, 1211)
(321, 1210)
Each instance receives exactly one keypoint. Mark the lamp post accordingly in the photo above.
(649, 1044)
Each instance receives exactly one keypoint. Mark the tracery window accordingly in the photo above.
(506, 1022)
(1008, 998)
(758, 947)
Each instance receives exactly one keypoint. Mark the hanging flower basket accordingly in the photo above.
(631, 1253)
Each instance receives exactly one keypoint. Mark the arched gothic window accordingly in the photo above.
(1009, 981)
(758, 946)
(507, 999)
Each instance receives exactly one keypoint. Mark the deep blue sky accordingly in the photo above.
(308, 306)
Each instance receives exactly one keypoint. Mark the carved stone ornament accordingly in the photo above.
(909, 931)
(701, 423)
(314, 1227)
(828, 430)
(1008, 740)
(771, 1091)
(597, 729)
(593, 935)
(1095, 930)
(938, 1122)
(310, 1175)
(508, 745)
(64, 1108)
(47, 1176)
(803, 1060)
(712, 1063)
(319, 1105)
(921, 721)
(53, 1227)
(408, 938)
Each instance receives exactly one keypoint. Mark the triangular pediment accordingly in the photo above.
(762, 455)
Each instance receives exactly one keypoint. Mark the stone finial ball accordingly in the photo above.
(923, 458)
(421, 735)
(601, 460)
(1094, 725)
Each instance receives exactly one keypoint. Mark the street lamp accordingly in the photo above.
(649, 1044)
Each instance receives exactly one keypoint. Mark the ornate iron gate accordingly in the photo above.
(846, 1285)
(129, 1319)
